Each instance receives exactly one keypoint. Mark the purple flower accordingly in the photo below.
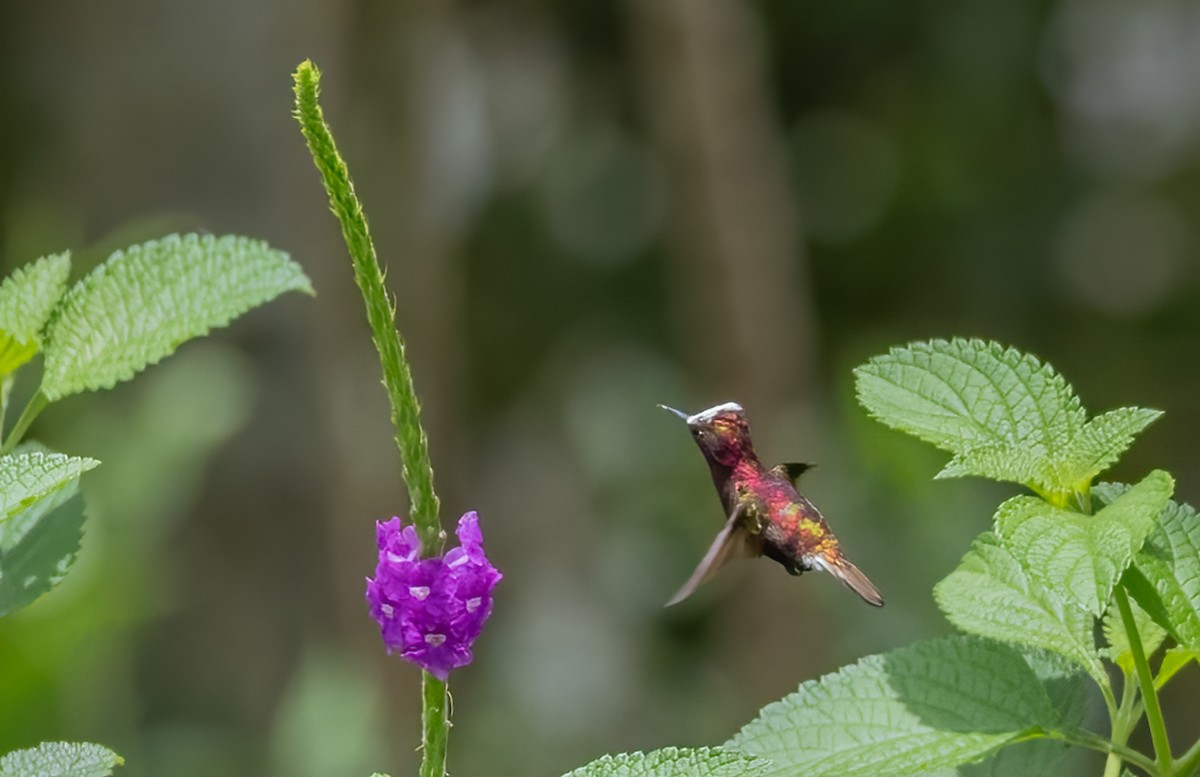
(431, 610)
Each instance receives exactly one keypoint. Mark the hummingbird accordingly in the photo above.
(765, 514)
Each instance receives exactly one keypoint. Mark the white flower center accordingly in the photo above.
(473, 604)
(387, 610)
(419, 592)
(435, 639)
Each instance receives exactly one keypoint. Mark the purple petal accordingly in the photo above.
(469, 534)
(384, 530)
(437, 658)
(456, 557)
(393, 539)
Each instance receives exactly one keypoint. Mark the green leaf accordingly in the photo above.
(142, 303)
(1001, 413)
(1072, 697)
(26, 477)
(1083, 556)
(1101, 442)
(1165, 579)
(1142, 591)
(38, 546)
(60, 759)
(1037, 758)
(927, 706)
(965, 394)
(27, 298)
(14, 353)
(1013, 462)
(991, 594)
(1174, 659)
(675, 762)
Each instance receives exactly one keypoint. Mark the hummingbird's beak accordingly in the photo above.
(679, 413)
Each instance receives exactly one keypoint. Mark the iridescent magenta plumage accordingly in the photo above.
(431, 610)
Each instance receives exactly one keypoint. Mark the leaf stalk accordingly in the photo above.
(1154, 717)
(6, 384)
(37, 403)
(1189, 763)
(1092, 741)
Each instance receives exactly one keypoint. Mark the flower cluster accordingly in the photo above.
(431, 610)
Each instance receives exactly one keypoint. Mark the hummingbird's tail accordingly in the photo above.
(851, 577)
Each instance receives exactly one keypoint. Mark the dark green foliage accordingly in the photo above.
(128, 313)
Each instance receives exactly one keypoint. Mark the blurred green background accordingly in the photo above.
(587, 208)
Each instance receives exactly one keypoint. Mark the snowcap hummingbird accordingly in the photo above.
(765, 514)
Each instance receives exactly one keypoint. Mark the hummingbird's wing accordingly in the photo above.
(733, 541)
(792, 470)
(849, 576)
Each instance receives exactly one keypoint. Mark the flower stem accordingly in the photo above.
(1154, 717)
(435, 726)
(397, 378)
(36, 405)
